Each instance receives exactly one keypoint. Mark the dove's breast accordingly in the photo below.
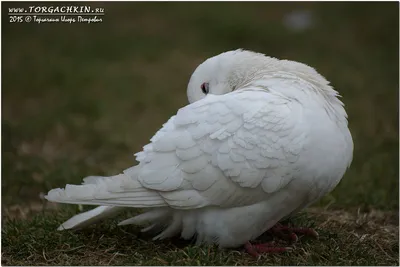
(226, 227)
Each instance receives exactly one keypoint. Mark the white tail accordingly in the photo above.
(113, 193)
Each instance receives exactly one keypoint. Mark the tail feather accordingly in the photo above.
(159, 220)
(93, 179)
(173, 228)
(151, 216)
(90, 217)
(119, 190)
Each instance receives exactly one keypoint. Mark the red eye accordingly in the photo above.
(205, 88)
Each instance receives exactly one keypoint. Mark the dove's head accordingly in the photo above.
(222, 74)
(237, 69)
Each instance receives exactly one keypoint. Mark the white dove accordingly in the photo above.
(261, 139)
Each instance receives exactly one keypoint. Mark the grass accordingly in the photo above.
(79, 99)
(347, 238)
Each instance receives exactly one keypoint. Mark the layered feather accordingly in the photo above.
(244, 144)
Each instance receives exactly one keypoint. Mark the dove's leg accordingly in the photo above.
(291, 233)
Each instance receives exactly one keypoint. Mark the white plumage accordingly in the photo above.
(261, 139)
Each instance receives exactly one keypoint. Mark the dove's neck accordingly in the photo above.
(303, 88)
(258, 67)
(289, 78)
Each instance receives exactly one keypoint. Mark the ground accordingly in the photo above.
(79, 99)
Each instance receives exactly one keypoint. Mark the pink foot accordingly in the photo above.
(284, 232)
(292, 232)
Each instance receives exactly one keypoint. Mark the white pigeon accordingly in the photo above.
(261, 139)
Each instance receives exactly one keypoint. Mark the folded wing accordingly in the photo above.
(224, 150)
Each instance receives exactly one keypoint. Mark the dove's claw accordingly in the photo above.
(263, 245)
(251, 250)
(305, 231)
(255, 249)
(293, 237)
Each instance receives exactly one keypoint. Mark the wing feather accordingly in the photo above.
(243, 146)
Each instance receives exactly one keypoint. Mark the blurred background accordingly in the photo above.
(79, 99)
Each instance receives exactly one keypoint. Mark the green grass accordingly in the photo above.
(79, 99)
(345, 239)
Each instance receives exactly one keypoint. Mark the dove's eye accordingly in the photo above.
(205, 88)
